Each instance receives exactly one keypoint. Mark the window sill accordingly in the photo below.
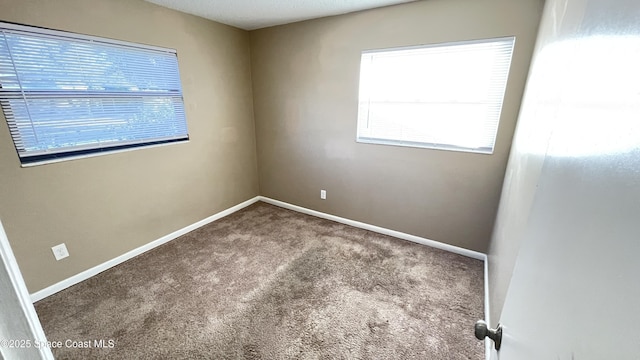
(84, 156)
(420, 145)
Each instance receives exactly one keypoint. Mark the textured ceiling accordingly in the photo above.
(255, 14)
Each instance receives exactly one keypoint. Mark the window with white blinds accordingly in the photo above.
(446, 96)
(68, 95)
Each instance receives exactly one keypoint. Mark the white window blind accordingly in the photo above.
(66, 94)
(446, 96)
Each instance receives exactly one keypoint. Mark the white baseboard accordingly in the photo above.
(378, 229)
(436, 244)
(39, 295)
(404, 236)
(487, 312)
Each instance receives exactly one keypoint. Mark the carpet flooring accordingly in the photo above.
(269, 283)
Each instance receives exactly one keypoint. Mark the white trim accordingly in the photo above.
(15, 276)
(39, 295)
(432, 243)
(378, 229)
(487, 312)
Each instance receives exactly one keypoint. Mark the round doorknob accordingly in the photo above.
(482, 330)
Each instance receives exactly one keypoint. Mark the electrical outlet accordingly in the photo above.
(323, 194)
(60, 251)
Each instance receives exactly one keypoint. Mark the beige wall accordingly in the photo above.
(104, 206)
(305, 84)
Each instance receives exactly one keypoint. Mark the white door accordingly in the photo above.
(21, 335)
(575, 288)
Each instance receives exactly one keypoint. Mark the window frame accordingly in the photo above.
(86, 151)
(433, 145)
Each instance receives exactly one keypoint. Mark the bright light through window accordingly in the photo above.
(446, 96)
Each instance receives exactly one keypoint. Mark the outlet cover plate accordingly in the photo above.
(323, 194)
(60, 251)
